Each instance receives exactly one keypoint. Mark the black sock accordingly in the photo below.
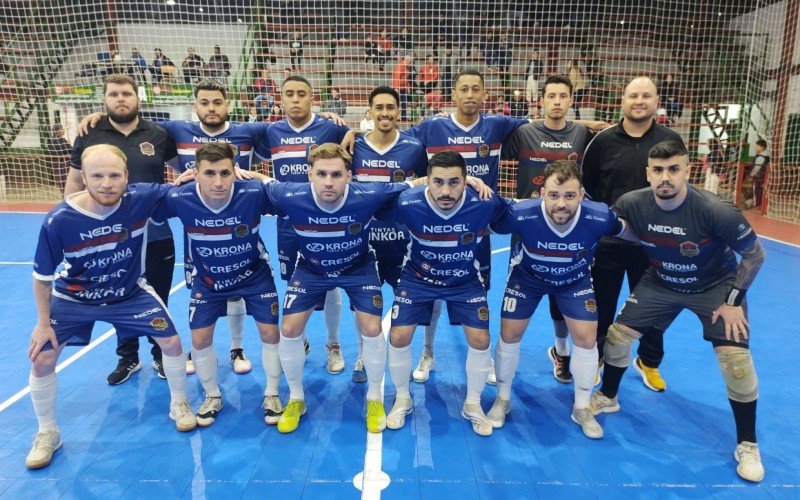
(612, 376)
(745, 416)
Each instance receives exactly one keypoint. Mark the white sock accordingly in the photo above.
(506, 360)
(400, 369)
(175, 370)
(583, 366)
(430, 330)
(205, 363)
(375, 365)
(43, 395)
(293, 358)
(361, 344)
(236, 312)
(271, 361)
(333, 314)
(562, 337)
(477, 370)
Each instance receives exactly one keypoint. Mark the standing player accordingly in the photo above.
(99, 234)
(147, 148)
(690, 237)
(221, 219)
(290, 141)
(534, 146)
(559, 233)
(386, 155)
(613, 165)
(447, 223)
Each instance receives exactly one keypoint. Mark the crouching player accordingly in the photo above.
(99, 234)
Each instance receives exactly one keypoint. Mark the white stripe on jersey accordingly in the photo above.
(547, 258)
(289, 154)
(320, 234)
(373, 178)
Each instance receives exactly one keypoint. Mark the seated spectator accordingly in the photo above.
(367, 124)
(160, 61)
(139, 65)
(335, 103)
(384, 49)
(402, 42)
(219, 66)
(264, 87)
(296, 51)
(519, 108)
(276, 113)
(434, 101)
(429, 75)
(192, 66)
(370, 51)
(501, 107)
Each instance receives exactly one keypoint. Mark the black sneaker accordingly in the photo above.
(158, 366)
(307, 346)
(125, 368)
(560, 366)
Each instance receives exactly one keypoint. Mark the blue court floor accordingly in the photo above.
(119, 442)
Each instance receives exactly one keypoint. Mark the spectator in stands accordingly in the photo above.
(504, 54)
(578, 86)
(160, 61)
(449, 68)
(341, 14)
(400, 81)
(335, 103)
(429, 75)
(287, 72)
(192, 66)
(533, 73)
(402, 42)
(669, 93)
(59, 151)
(501, 107)
(716, 166)
(758, 173)
(139, 65)
(434, 101)
(370, 51)
(276, 113)
(367, 124)
(489, 49)
(464, 31)
(219, 66)
(440, 43)
(296, 51)
(265, 92)
(519, 108)
(384, 49)
(266, 57)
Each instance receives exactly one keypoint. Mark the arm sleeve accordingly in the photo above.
(77, 151)
(274, 191)
(503, 222)
(731, 227)
(615, 225)
(421, 162)
(511, 147)
(257, 131)
(591, 167)
(49, 252)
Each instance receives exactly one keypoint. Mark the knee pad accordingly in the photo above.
(739, 374)
(617, 350)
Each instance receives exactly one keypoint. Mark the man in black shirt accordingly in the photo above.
(613, 165)
(147, 147)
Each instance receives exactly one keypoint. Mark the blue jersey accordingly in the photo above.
(332, 241)
(444, 247)
(102, 254)
(223, 243)
(479, 144)
(556, 258)
(289, 146)
(245, 137)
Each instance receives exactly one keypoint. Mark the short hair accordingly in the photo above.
(383, 89)
(447, 159)
(762, 143)
(469, 72)
(330, 150)
(209, 84)
(213, 152)
(120, 79)
(564, 170)
(557, 80)
(640, 77)
(104, 147)
(667, 149)
(297, 78)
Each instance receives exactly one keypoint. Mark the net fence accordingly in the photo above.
(726, 71)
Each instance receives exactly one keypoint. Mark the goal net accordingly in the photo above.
(718, 65)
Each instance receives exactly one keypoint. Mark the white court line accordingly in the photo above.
(85, 349)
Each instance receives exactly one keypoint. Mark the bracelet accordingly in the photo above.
(735, 297)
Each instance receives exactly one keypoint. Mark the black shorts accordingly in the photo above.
(651, 305)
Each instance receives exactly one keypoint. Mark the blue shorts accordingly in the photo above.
(260, 300)
(288, 249)
(389, 268)
(141, 314)
(466, 304)
(306, 290)
(523, 295)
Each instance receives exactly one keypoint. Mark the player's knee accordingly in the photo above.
(45, 363)
(617, 348)
(202, 338)
(399, 338)
(739, 373)
(478, 339)
(171, 346)
(269, 333)
(371, 328)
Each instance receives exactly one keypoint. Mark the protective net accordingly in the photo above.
(724, 69)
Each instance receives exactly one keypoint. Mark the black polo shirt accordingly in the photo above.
(147, 148)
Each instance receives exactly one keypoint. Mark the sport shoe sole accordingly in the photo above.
(638, 367)
(209, 416)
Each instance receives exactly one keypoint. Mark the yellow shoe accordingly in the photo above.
(650, 376)
(376, 416)
(291, 415)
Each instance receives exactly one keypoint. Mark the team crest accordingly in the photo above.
(147, 149)
(159, 324)
(241, 230)
(483, 151)
(398, 176)
(689, 249)
(590, 305)
(234, 149)
(123, 235)
(377, 301)
(483, 313)
(274, 308)
(354, 228)
(467, 238)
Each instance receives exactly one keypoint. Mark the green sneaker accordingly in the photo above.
(290, 419)
(376, 416)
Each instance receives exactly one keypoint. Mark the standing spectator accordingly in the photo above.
(504, 54)
(402, 42)
(275, 113)
(384, 49)
(533, 73)
(757, 174)
(367, 124)
(670, 97)
(335, 103)
(489, 48)
(400, 81)
(296, 51)
(434, 101)
(265, 92)
(139, 65)
(578, 85)
(519, 108)
(449, 68)
(219, 65)
(58, 150)
(160, 61)
(429, 75)
(192, 66)
(716, 166)
(464, 31)
(370, 51)
(501, 107)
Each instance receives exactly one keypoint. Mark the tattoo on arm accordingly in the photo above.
(749, 266)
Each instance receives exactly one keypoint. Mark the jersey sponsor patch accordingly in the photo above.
(147, 149)
(689, 249)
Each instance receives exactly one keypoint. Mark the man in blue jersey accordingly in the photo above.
(447, 222)
(558, 236)
(221, 219)
(99, 233)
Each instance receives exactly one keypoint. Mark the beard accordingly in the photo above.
(552, 214)
(123, 118)
(106, 202)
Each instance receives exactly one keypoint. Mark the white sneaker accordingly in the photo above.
(335, 359)
(423, 370)
(209, 410)
(273, 408)
(498, 411)
(492, 378)
(480, 424)
(190, 369)
(602, 404)
(397, 415)
(183, 416)
(749, 458)
(586, 420)
(241, 364)
(359, 375)
(44, 445)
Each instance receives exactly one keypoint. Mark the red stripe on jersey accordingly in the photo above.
(209, 230)
(436, 237)
(457, 149)
(193, 145)
(549, 253)
(528, 154)
(286, 147)
(374, 171)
